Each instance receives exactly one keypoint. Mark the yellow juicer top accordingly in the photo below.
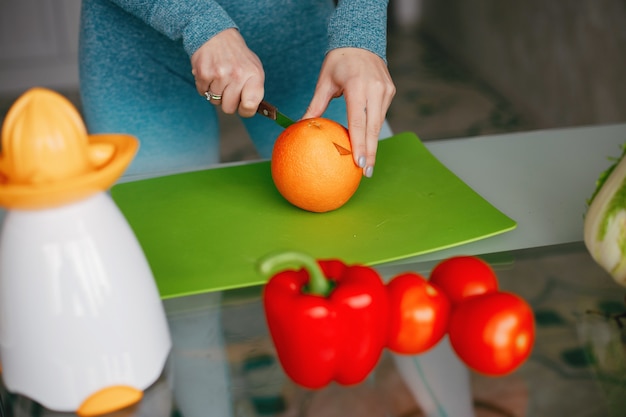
(47, 157)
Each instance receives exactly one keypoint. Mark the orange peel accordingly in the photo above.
(312, 165)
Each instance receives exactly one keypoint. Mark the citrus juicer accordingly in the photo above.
(82, 327)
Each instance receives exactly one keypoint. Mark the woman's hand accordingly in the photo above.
(232, 73)
(363, 79)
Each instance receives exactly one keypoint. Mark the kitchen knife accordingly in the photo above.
(271, 112)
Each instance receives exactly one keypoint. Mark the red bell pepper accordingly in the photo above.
(328, 321)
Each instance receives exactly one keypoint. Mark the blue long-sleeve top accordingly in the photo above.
(354, 23)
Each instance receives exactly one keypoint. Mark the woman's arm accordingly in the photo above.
(220, 59)
(193, 22)
(360, 24)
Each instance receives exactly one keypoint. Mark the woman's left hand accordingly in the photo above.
(363, 79)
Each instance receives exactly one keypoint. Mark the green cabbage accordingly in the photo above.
(605, 220)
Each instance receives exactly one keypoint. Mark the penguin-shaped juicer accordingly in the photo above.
(82, 326)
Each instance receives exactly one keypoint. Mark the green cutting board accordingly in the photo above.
(206, 230)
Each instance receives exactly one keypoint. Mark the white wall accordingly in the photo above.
(561, 62)
(38, 44)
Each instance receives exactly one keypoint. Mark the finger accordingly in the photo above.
(380, 98)
(319, 103)
(213, 97)
(201, 86)
(357, 123)
(214, 92)
(251, 96)
(389, 94)
(208, 79)
(230, 98)
(199, 83)
(375, 118)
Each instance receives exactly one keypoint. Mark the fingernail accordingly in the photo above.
(369, 171)
(361, 162)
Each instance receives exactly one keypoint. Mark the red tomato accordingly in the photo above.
(464, 276)
(492, 333)
(419, 314)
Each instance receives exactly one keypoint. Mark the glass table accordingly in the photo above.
(223, 363)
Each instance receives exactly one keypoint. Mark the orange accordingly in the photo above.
(312, 165)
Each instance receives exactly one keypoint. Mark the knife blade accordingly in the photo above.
(271, 112)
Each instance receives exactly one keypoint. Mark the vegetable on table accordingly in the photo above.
(328, 320)
(463, 276)
(419, 313)
(605, 221)
(493, 333)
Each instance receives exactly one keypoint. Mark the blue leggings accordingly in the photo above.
(135, 80)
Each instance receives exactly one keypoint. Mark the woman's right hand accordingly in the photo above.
(225, 66)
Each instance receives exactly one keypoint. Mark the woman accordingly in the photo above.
(147, 68)
(143, 65)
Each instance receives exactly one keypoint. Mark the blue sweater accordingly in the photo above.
(355, 23)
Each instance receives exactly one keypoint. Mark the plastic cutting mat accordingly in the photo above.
(206, 230)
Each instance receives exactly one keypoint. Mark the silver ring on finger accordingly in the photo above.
(212, 96)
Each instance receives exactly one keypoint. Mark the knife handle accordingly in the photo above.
(267, 110)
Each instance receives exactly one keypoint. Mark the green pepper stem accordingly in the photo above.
(276, 262)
